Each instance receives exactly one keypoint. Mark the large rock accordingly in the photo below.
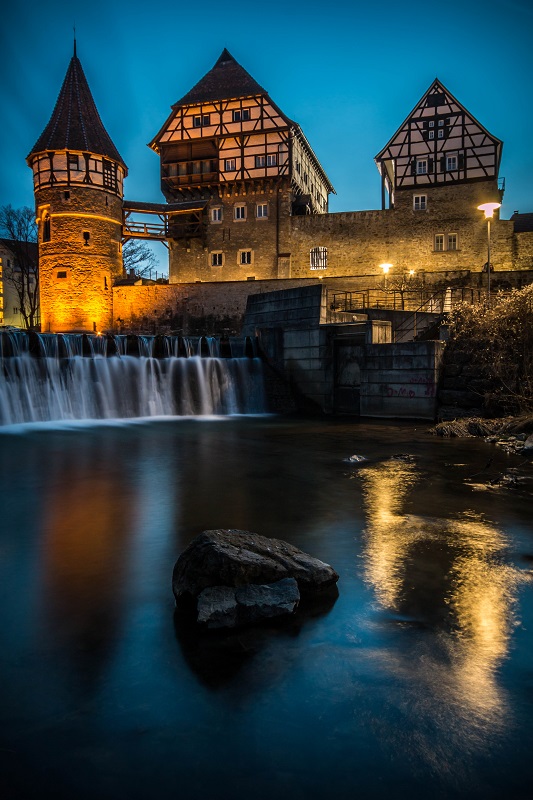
(236, 558)
(229, 607)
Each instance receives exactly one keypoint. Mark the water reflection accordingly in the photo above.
(447, 575)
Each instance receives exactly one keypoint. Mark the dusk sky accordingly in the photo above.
(348, 72)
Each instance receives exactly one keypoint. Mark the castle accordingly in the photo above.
(247, 200)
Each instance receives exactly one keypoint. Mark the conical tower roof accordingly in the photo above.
(225, 80)
(75, 123)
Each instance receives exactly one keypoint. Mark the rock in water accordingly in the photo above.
(228, 606)
(234, 558)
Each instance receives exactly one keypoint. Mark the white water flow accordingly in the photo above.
(120, 387)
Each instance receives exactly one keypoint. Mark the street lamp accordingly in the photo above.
(488, 209)
(385, 268)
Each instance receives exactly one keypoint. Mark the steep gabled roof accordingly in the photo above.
(75, 123)
(438, 91)
(225, 80)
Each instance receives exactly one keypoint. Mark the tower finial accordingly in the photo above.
(74, 29)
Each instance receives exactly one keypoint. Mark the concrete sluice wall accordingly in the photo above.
(47, 377)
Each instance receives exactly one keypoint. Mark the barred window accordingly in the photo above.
(318, 258)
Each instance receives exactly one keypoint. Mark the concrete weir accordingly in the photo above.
(345, 367)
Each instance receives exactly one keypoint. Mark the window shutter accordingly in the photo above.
(443, 164)
(413, 166)
(461, 161)
(425, 124)
(430, 165)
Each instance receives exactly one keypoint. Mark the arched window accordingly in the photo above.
(318, 258)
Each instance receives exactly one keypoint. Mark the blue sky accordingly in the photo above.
(348, 72)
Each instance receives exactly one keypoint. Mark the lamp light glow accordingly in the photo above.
(489, 209)
(385, 268)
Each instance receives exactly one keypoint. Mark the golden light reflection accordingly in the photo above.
(385, 489)
(449, 575)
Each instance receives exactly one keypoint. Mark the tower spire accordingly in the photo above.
(74, 29)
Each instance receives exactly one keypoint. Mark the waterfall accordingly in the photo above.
(46, 377)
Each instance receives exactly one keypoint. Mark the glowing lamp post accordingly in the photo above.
(488, 209)
(385, 268)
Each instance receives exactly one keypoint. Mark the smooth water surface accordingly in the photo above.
(417, 681)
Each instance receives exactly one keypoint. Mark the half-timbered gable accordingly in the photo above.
(228, 131)
(440, 143)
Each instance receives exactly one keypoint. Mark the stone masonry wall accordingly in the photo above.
(77, 272)
(358, 242)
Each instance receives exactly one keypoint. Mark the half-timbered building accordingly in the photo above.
(228, 147)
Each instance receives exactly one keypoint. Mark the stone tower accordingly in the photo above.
(78, 183)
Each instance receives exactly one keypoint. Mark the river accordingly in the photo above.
(416, 681)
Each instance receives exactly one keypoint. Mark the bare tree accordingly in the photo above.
(18, 227)
(137, 256)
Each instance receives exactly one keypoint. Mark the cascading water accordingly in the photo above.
(78, 377)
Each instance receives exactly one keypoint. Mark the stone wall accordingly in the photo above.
(213, 307)
(264, 237)
(82, 259)
(358, 242)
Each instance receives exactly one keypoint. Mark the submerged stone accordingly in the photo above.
(229, 607)
(236, 558)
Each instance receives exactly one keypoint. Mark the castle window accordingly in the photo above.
(419, 202)
(440, 133)
(260, 161)
(61, 274)
(110, 176)
(66, 195)
(452, 241)
(261, 210)
(431, 123)
(200, 119)
(451, 163)
(241, 115)
(73, 161)
(86, 237)
(431, 134)
(421, 166)
(318, 258)
(230, 165)
(217, 258)
(441, 123)
(216, 214)
(272, 160)
(439, 242)
(245, 257)
(46, 228)
(239, 212)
